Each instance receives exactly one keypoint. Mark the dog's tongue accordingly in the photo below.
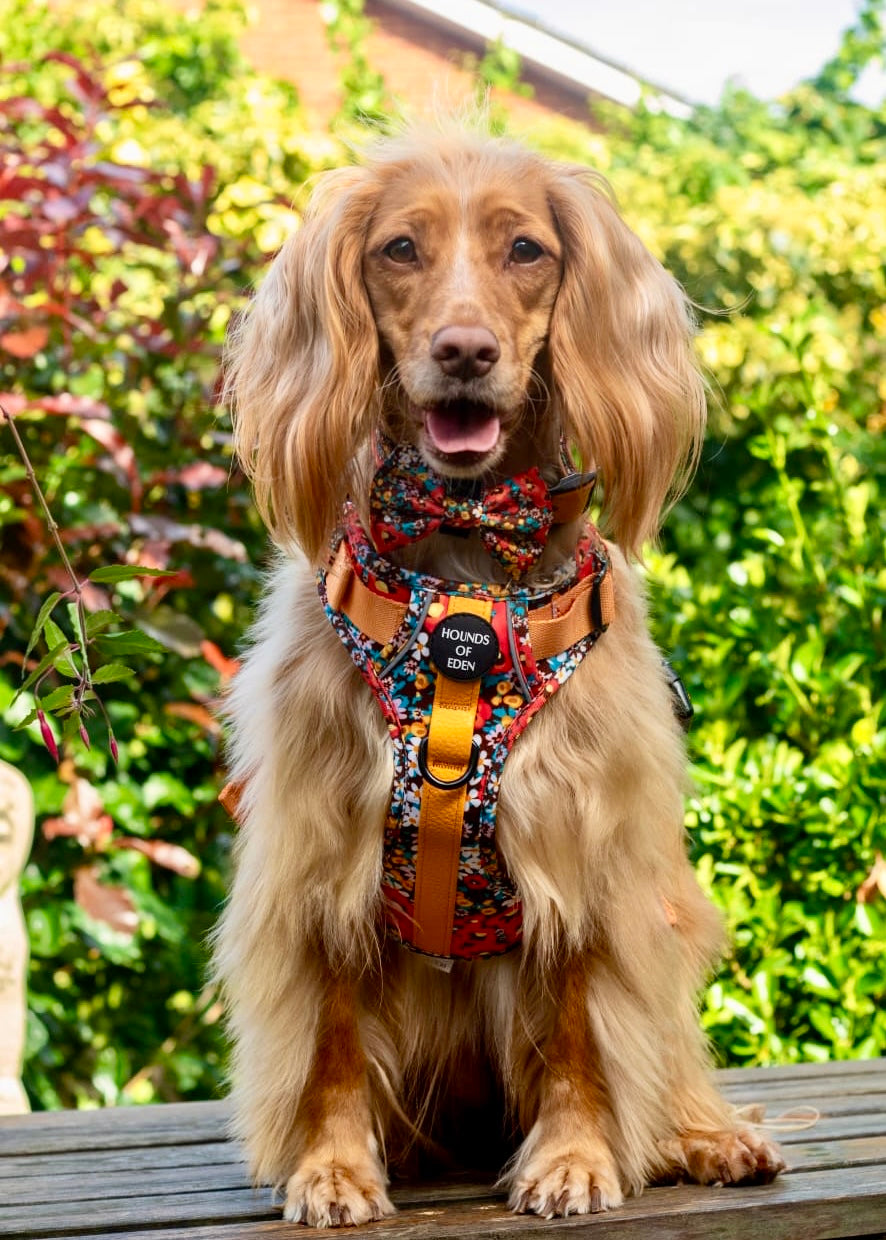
(462, 428)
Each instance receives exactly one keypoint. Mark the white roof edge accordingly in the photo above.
(560, 54)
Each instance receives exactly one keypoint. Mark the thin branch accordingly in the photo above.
(76, 585)
(35, 486)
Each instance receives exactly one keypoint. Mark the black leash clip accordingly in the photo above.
(680, 699)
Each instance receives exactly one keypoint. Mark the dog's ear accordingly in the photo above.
(302, 367)
(625, 381)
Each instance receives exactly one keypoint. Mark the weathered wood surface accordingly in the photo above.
(163, 1173)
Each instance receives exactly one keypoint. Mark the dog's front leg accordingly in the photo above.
(565, 1165)
(339, 1179)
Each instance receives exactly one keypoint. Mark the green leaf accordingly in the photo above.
(132, 642)
(53, 633)
(76, 617)
(174, 629)
(64, 663)
(71, 728)
(99, 620)
(58, 699)
(42, 617)
(112, 671)
(43, 666)
(864, 921)
(126, 572)
(45, 930)
(818, 981)
(161, 788)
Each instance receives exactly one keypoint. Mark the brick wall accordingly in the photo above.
(420, 64)
(287, 39)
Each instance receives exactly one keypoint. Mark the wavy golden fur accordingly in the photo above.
(455, 272)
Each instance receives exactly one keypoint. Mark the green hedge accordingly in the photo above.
(153, 173)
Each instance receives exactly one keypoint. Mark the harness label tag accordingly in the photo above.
(443, 963)
(464, 647)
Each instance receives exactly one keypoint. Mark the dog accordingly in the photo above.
(457, 318)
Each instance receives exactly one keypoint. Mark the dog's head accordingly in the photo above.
(478, 301)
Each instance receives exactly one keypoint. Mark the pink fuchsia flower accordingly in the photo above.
(48, 735)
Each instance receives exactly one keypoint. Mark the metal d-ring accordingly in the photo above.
(444, 784)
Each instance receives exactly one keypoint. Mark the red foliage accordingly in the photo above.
(58, 192)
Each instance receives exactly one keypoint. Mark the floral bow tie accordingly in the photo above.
(408, 501)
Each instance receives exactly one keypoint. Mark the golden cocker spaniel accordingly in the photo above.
(460, 320)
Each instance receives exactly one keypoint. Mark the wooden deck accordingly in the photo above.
(158, 1173)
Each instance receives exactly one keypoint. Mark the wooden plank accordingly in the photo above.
(808, 1089)
(164, 1208)
(825, 1155)
(196, 1122)
(834, 1102)
(833, 1068)
(796, 1107)
(174, 1123)
(837, 1127)
(141, 1117)
(71, 1174)
(98, 1184)
(127, 1158)
(70, 1179)
(824, 1205)
(199, 1198)
(24, 1144)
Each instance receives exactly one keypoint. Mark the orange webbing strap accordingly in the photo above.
(442, 809)
(230, 797)
(569, 505)
(553, 628)
(374, 614)
(572, 616)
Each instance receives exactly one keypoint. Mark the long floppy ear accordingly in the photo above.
(625, 380)
(302, 367)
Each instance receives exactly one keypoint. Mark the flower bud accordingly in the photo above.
(47, 734)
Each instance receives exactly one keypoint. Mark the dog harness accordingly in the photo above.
(459, 670)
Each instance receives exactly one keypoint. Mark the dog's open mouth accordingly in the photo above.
(461, 428)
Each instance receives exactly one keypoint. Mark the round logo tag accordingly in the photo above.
(464, 646)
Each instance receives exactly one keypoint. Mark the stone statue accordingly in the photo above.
(16, 834)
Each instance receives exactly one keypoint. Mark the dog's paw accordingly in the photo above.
(735, 1156)
(327, 1193)
(554, 1185)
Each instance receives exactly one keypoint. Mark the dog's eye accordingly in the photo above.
(525, 251)
(401, 250)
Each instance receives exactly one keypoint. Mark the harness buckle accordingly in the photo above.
(574, 482)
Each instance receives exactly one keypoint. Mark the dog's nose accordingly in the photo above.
(465, 352)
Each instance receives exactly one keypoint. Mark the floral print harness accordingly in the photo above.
(398, 664)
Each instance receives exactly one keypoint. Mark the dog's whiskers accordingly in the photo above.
(391, 380)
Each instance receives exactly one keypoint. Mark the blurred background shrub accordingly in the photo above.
(145, 177)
